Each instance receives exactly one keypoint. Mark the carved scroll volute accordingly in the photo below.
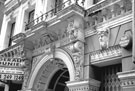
(76, 35)
(75, 29)
(77, 50)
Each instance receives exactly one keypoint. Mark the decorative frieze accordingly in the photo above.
(15, 51)
(111, 52)
(45, 39)
(105, 11)
(87, 85)
(127, 80)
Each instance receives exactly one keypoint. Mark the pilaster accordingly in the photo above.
(127, 80)
(87, 85)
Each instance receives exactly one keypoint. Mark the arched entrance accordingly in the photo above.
(50, 74)
(57, 83)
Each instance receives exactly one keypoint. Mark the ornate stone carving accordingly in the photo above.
(71, 31)
(27, 69)
(127, 79)
(88, 85)
(76, 46)
(75, 29)
(104, 36)
(45, 39)
(126, 5)
(111, 52)
(77, 50)
(106, 10)
(16, 51)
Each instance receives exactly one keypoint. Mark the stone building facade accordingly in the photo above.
(68, 45)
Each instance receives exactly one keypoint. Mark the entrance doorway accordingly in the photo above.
(57, 82)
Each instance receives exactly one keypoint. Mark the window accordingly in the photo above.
(30, 19)
(11, 33)
(31, 16)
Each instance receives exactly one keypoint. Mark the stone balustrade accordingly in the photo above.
(107, 10)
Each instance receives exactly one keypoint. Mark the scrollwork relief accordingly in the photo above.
(76, 47)
(77, 50)
(45, 39)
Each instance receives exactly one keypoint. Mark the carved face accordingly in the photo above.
(103, 37)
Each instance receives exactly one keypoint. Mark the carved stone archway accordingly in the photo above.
(59, 54)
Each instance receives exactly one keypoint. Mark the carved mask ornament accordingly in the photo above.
(104, 37)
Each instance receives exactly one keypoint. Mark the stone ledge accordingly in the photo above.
(88, 85)
(127, 78)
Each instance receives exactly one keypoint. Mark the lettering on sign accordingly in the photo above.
(11, 62)
(11, 70)
(11, 77)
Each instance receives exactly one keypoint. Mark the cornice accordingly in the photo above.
(127, 78)
(122, 19)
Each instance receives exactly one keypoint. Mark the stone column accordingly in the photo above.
(127, 80)
(6, 87)
(87, 85)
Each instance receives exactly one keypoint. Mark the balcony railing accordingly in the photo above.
(107, 10)
(50, 14)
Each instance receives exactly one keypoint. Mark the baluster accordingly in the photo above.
(63, 5)
(46, 15)
(42, 17)
(69, 2)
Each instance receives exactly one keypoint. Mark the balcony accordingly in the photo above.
(106, 12)
(67, 8)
